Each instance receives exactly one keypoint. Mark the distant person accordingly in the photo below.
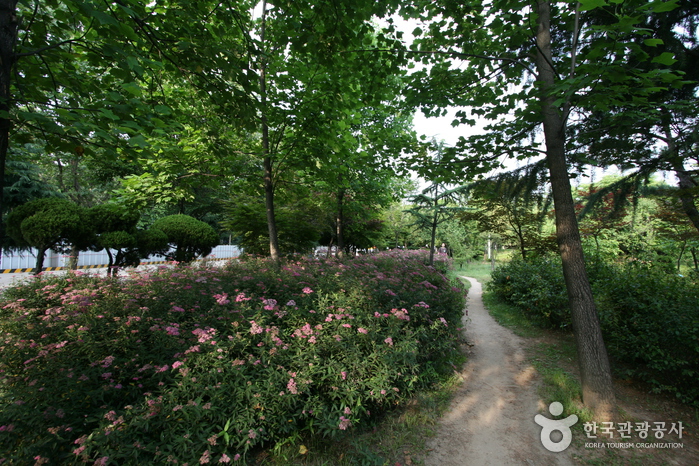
(443, 249)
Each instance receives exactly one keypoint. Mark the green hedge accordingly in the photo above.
(649, 318)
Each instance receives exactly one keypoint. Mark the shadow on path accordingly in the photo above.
(491, 418)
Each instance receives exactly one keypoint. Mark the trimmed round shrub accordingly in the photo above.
(190, 237)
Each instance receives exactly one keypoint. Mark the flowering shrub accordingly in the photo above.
(202, 365)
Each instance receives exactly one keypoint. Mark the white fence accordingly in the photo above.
(27, 259)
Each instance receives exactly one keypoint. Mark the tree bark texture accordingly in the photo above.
(435, 219)
(8, 36)
(40, 256)
(685, 182)
(340, 223)
(596, 381)
(268, 179)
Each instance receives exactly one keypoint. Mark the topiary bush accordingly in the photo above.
(190, 237)
(49, 223)
(193, 365)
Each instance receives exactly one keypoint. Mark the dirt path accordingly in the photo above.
(491, 419)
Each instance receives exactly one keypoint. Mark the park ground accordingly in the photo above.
(513, 372)
(485, 416)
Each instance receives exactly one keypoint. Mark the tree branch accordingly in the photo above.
(448, 53)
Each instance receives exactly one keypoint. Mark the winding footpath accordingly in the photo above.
(491, 418)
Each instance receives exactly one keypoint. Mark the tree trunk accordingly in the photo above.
(8, 36)
(268, 174)
(110, 271)
(435, 220)
(522, 245)
(74, 256)
(269, 205)
(596, 380)
(340, 225)
(685, 182)
(40, 255)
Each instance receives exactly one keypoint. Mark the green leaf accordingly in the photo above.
(653, 42)
(666, 58)
(138, 141)
(109, 114)
(663, 7)
(132, 88)
(587, 5)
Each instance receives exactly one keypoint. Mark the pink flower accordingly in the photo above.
(362, 330)
(224, 459)
(205, 334)
(106, 362)
(344, 423)
(205, 458)
(255, 329)
(172, 331)
(307, 290)
(389, 341)
(79, 450)
(177, 364)
(270, 304)
(291, 386)
(291, 303)
(222, 299)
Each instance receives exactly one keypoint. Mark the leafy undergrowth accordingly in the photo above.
(212, 365)
(649, 318)
(553, 354)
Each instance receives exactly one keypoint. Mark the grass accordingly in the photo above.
(474, 269)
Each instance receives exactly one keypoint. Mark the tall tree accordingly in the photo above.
(315, 92)
(93, 75)
(658, 132)
(435, 205)
(530, 69)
